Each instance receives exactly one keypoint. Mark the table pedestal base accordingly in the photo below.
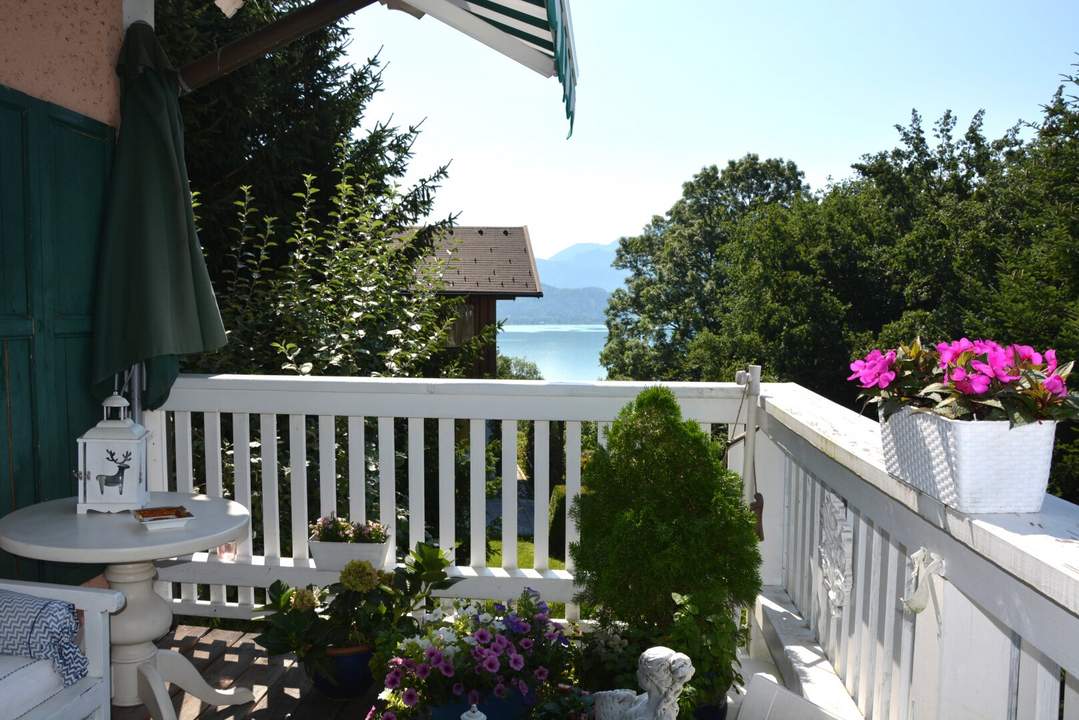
(139, 669)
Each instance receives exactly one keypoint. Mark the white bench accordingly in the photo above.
(32, 689)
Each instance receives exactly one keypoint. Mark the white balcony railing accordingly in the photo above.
(358, 421)
(999, 638)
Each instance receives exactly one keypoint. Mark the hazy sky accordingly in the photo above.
(669, 86)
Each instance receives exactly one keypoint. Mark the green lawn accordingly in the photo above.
(526, 553)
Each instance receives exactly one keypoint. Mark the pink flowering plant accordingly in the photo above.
(474, 655)
(332, 528)
(968, 380)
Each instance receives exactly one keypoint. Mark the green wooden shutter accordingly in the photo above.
(54, 166)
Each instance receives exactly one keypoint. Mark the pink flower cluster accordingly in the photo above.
(971, 366)
(875, 370)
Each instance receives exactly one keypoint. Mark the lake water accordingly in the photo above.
(569, 353)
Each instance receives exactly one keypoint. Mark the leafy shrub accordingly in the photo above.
(556, 532)
(660, 514)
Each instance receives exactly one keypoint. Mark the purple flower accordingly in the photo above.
(526, 643)
(483, 636)
(389, 715)
(491, 664)
(446, 668)
(473, 697)
(541, 673)
(423, 670)
(522, 686)
(517, 662)
(501, 643)
(458, 688)
(500, 608)
(501, 690)
(393, 680)
(410, 697)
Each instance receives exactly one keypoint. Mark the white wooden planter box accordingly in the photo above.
(975, 467)
(335, 555)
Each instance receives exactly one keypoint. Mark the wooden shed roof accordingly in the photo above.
(495, 261)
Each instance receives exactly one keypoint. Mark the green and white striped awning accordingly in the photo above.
(535, 33)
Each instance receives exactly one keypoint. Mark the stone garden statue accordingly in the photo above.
(661, 673)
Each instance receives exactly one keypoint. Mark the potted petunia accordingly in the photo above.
(335, 541)
(970, 422)
(335, 631)
(507, 663)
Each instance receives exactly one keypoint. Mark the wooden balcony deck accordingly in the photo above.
(231, 657)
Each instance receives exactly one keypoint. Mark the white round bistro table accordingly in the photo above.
(54, 531)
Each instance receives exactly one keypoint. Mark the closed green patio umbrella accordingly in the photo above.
(154, 298)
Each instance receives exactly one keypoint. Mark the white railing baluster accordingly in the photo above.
(847, 614)
(241, 463)
(904, 641)
(573, 489)
(271, 520)
(1039, 686)
(477, 496)
(885, 663)
(541, 473)
(387, 480)
(1071, 697)
(327, 465)
(297, 458)
(357, 471)
(447, 486)
(791, 479)
(214, 483)
(509, 493)
(155, 421)
(212, 451)
(862, 541)
(812, 543)
(868, 623)
(416, 519)
(801, 503)
(185, 482)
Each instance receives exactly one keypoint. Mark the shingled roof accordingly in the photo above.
(495, 261)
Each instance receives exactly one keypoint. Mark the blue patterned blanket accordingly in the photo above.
(42, 629)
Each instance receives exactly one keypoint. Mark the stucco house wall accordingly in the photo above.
(64, 52)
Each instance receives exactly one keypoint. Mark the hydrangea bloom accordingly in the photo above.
(359, 576)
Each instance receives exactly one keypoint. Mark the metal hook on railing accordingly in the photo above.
(925, 564)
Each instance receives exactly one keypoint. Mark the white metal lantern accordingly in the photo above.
(112, 462)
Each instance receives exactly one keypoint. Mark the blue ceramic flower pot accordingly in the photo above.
(711, 712)
(352, 673)
(510, 708)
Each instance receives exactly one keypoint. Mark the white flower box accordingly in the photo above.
(972, 466)
(335, 555)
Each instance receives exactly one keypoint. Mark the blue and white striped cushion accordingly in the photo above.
(44, 630)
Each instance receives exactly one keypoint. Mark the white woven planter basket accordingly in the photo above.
(335, 555)
(975, 467)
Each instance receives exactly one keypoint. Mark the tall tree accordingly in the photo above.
(678, 268)
(271, 122)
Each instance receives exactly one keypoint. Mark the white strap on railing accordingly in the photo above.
(925, 565)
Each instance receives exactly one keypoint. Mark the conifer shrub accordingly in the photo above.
(661, 515)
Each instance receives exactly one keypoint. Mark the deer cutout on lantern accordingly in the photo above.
(117, 478)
